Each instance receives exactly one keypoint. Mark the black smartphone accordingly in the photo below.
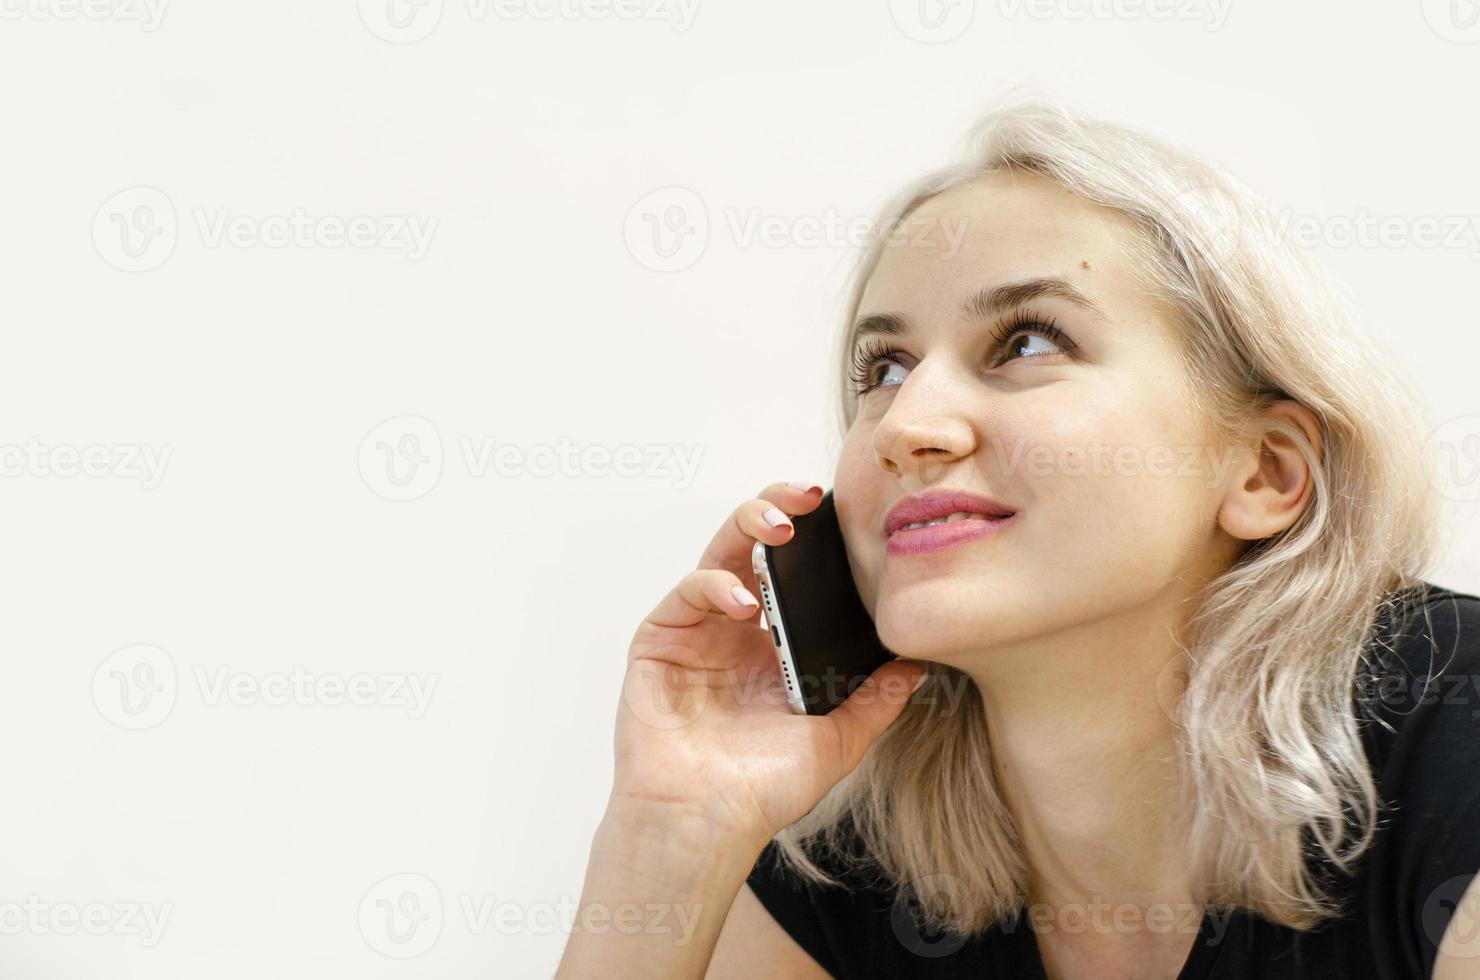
(825, 639)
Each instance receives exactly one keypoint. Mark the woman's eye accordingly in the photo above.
(893, 368)
(1017, 342)
(1020, 339)
(866, 362)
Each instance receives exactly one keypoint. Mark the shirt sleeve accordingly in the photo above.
(790, 900)
(1431, 776)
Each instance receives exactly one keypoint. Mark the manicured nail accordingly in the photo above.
(775, 518)
(804, 485)
(743, 596)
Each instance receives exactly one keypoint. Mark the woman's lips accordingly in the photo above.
(923, 540)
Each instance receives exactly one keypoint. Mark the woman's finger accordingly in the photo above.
(700, 593)
(765, 518)
(871, 708)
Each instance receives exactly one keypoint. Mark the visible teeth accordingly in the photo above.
(960, 515)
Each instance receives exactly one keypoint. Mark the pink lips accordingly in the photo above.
(933, 504)
(921, 540)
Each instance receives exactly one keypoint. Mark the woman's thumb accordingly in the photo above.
(873, 706)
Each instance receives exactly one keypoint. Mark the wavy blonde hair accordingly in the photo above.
(1272, 759)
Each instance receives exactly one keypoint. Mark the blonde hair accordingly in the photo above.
(1272, 758)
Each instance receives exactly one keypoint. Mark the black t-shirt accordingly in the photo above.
(1397, 903)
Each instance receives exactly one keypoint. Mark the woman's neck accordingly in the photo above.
(1085, 755)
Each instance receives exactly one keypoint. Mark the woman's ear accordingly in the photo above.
(1270, 482)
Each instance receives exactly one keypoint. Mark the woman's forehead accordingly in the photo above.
(998, 230)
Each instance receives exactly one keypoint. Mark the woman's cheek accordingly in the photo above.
(856, 495)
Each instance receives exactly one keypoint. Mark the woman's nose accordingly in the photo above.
(922, 446)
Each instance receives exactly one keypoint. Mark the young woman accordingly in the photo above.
(1173, 698)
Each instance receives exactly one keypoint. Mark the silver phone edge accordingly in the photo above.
(784, 659)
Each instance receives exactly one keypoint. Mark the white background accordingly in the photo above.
(535, 314)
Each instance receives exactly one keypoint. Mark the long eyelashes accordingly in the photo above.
(868, 355)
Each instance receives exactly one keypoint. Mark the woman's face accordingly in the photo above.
(1088, 436)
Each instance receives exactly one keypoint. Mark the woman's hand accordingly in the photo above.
(704, 730)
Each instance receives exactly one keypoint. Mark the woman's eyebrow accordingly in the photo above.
(984, 303)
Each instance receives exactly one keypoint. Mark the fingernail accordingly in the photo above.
(804, 485)
(775, 518)
(743, 596)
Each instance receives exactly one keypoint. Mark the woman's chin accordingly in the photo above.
(924, 633)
